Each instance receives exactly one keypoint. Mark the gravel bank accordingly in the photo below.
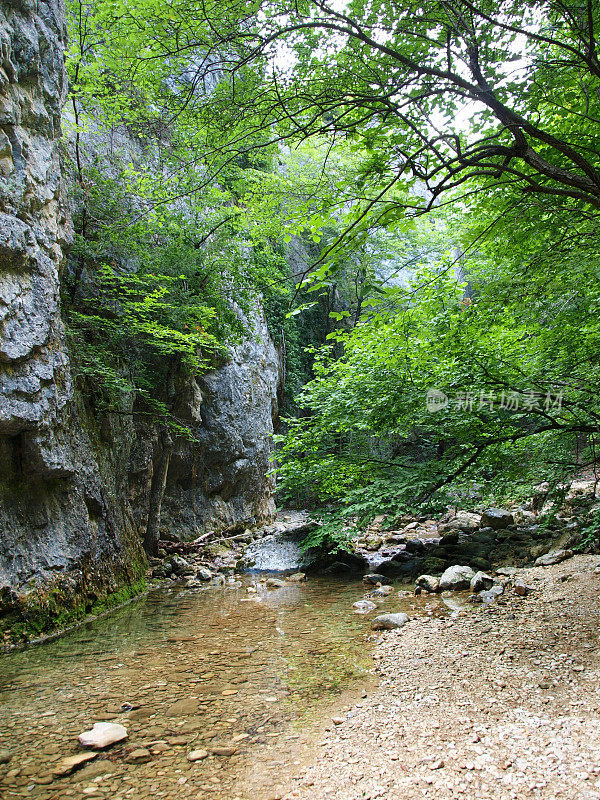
(501, 702)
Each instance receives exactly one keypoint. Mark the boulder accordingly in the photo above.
(553, 557)
(339, 563)
(449, 539)
(432, 564)
(363, 606)
(102, 735)
(274, 583)
(396, 570)
(415, 546)
(456, 578)
(180, 566)
(507, 572)
(481, 581)
(373, 578)
(383, 591)
(296, 577)
(480, 564)
(463, 521)
(373, 543)
(524, 517)
(203, 574)
(428, 582)
(496, 518)
(389, 622)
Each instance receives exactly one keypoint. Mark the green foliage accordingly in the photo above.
(367, 440)
(329, 537)
(482, 116)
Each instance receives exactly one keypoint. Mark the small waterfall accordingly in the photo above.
(279, 552)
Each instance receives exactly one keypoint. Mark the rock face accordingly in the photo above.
(74, 483)
(222, 480)
(58, 512)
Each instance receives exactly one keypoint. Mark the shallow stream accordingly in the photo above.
(186, 670)
(215, 667)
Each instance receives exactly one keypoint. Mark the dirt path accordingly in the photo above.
(502, 702)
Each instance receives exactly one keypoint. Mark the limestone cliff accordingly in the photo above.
(63, 529)
(74, 487)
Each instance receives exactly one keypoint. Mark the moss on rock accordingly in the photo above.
(52, 607)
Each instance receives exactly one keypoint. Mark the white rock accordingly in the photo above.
(553, 557)
(102, 735)
(363, 606)
(197, 755)
(457, 577)
(389, 622)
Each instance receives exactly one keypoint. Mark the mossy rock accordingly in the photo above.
(480, 564)
(432, 565)
(50, 608)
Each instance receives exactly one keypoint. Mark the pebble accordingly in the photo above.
(223, 751)
(139, 756)
(197, 755)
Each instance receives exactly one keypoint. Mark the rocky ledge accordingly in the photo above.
(413, 546)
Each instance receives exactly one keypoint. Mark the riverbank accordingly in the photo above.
(503, 701)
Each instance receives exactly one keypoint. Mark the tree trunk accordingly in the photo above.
(157, 491)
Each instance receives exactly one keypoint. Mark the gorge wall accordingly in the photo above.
(74, 486)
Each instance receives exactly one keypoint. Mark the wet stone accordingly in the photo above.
(389, 622)
(197, 755)
(176, 652)
(183, 708)
(139, 756)
(71, 763)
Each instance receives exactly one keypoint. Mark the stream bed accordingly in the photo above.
(254, 673)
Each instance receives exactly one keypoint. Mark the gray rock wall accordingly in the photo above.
(61, 524)
(223, 480)
(74, 487)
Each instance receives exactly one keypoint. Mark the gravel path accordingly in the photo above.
(501, 702)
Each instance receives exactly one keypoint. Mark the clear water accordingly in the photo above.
(254, 670)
